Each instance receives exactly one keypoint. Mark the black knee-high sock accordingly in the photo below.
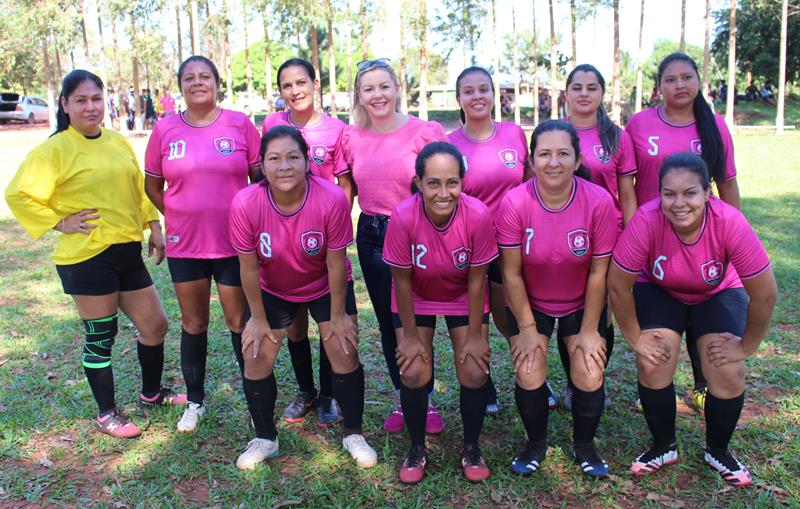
(659, 412)
(415, 410)
(101, 381)
(533, 408)
(587, 407)
(236, 343)
(151, 360)
(472, 403)
(563, 353)
(721, 418)
(300, 352)
(261, 396)
(349, 392)
(609, 342)
(325, 373)
(694, 356)
(429, 387)
(491, 391)
(194, 349)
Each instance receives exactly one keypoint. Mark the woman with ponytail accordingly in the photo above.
(98, 257)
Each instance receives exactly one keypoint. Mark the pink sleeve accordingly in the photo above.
(268, 123)
(152, 155)
(484, 246)
(630, 253)
(625, 158)
(507, 228)
(340, 166)
(526, 165)
(432, 131)
(396, 245)
(338, 223)
(242, 233)
(604, 226)
(346, 149)
(745, 250)
(253, 143)
(727, 144)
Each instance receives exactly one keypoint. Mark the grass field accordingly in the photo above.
(49, 456)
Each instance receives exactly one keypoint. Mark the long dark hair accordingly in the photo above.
(685, 161)
(283, 131)
(68, 85)
(606, 128)
(432, 149)
(299, 62)
(464, 73)
(710, 137)
(559, 125)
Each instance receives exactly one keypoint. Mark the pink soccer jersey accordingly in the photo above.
(291, 247)
(324, 143)
(495, 165)
(440, 258)
(557, 246)
(655, 139)
(383, 164)
(204, 168)
(726, 250)
(607, 169)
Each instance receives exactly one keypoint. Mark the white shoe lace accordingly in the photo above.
(190, 417)
(360, 450)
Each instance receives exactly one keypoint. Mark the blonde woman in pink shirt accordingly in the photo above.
(381, 149)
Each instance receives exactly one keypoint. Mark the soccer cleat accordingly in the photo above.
(192, 414)
(360, 450)
(552, 399)
(413, 469)
(589, 460)
(303, 403)
(116, 425)
(733, 472)
(395, 422)
(699, 399)
(492, 407)
(434, 422)
(163, 397)
(258, 450)
(637, 406)
(568, 392)
(328, 411)
(529, 459)
(474, 466)
(654, 459)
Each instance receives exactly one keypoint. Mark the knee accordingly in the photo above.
(648, 372)
(235, 323)
(471, 377)
(256, 369)
(581, 377)
(532, 380)
(727, 381)
(194, 324)
(156, 332)
(342, 362)
(417, 375)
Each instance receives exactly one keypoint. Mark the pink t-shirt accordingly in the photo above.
(607, 169)
(291, 247)
(440, 258)
(167, 104)
(383, 164)
(557, 246)
(726, 250)
(204, 168)
(655, 139)
(494, 165)
(324, 143)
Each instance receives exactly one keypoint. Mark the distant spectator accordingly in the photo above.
(113, 109)
(167, 104)
(751, 92)
(545, 104)
(766, 93)
(562, 104)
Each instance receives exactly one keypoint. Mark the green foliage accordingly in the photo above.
(528, 52)
(662, 48)
(460, 22)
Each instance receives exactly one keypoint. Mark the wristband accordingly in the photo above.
(527, 326)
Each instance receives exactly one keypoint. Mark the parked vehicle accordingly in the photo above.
(23, 108)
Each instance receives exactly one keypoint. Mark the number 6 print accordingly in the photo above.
(658, 270)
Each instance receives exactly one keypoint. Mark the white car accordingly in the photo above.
(23, 108)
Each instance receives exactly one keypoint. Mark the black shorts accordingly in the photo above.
(281, 313)
(495, 276)
(568, 325)
(224, 270)
(724, 312)
(119, 268)
(429, 321)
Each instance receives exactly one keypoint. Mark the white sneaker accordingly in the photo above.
(360, 450)
(191, 415)
(258, 450)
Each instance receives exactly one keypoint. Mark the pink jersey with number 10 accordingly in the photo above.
(440, 258)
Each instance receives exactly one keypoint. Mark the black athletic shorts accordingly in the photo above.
(281, 313)
(495, 276)
(724, 312)
(429, 321)
(119, 268)
(225, 271)
(568, 325)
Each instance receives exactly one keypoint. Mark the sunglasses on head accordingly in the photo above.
(369, 64)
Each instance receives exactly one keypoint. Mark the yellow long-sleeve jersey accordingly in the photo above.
(68, 173)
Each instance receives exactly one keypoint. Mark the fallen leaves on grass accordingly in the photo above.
(665, 500)
(3, 360)
(287, 503)
(46, 462)
(497, 497)
(775, 490)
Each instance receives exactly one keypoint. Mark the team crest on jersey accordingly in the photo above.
(578, 241)
(697, 147)
(600, 154)
(461, 257)
(318, 153)
(509, 157)
(312, 242)
(224, 145)
(712, 272)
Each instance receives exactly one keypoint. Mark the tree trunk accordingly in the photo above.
(248, 70)
(616, 109)
(315, 60)
(267, 59)
(331, 58)
(682, 47)
(51, 94)
(364, 29)
(515, 63)
(194, 23)
(731, 67)
(83, 32)
(117, 62)
(180, 38)
(707, 52)
(349, 51)
(535, 68)
(95, 49)
(782, 67)
(423, 58)
(137, 113)
(639, 56)
(226, 49)
(498, 107)
(402, 77)
(573, 17)
(59, 70)
(553, 66)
